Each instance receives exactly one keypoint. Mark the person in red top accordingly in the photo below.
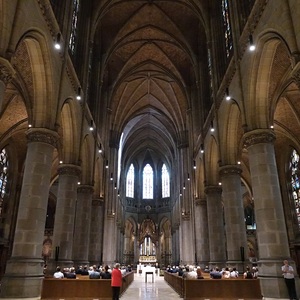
(116, 281)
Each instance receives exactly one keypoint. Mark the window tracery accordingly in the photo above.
(294, 169)
(227, 28)
(165, 182)
(130, 182)
(3, 177)
(148, 182)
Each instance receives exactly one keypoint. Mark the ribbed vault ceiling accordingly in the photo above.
(149, 60)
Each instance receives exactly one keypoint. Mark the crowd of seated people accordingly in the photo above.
(92, 272)
(195, 272)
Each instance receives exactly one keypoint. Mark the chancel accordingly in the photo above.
(150, 133)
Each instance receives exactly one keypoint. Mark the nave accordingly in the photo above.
(159, 289)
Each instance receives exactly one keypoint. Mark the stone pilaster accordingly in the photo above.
(234, 216)
(271, 231)
(65, 216)
(201, 232)
(96, 232)
(82, 224)
(215, 226)
(24, 271)
(109, 236)
(6, 74)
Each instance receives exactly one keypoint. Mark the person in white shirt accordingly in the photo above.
(58, 274)
(289, 278)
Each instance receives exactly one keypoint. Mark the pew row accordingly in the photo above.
(214, 288)
(81, 288)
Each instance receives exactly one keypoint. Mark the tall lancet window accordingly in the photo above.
(227, 28)
(130, 182)
(148, 182)
(3, 177)
(74, 26)
(294, 171)
(165, 182)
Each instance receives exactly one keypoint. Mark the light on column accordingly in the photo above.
(78, 96)
(227, 95)
(251, 43)
(194, 165)
(106, 166)
(202, 148)
(91, 126)
(57, 44)
(100, 149)
(111, 177)
(212, 129)
(188, 177)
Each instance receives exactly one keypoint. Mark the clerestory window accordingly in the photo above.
(148, 182)
(294, 171)
(165, 182)
(3, 177)
(130, 182)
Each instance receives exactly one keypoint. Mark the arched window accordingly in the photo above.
(227, 28)
(294, 171)
(130, 182)
(148, 182)
(3, 177)
(74, 25)
(165, 182)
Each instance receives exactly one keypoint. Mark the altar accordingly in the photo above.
(147, 271)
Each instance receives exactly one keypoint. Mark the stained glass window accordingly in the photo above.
(294, 169)
(165, 182)
(148, 182)
(3, 177)
(226, 28)
(130, 182)
(74, 25)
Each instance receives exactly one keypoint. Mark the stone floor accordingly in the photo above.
(140, 289)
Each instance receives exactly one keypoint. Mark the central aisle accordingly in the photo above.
(140, 289)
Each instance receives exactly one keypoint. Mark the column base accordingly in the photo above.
(23, 278)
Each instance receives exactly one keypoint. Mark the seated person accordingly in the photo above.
(85, 271)
(180, 271)
(58, 274)
(234, 273)
(94, 274)
(215, 274)
(106, 274)
(71, 274)
(199, 273)
(248, 274)
(191, 273)
(226, 273)
(206, 269)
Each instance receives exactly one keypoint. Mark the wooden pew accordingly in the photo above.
(81, 288)
(200, 289)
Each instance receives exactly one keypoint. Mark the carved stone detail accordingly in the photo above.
(43, 135)
(200, 202)
(212, 189)
(258, 136)
(186, 216)
(85, 189)
(68, 169)
(98, 202)
(230, 170)
(7, 72)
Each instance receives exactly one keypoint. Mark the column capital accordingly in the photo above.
(7, 72)
(98, 202)
(200, 202)
(258, 136)
(85, 189)
(230, 170)
(43, 135)
(212, 189)
(69, 169)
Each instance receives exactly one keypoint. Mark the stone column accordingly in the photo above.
(271, 232)
(201, 232)
(187, 240)
(215, 226)
(6, 74)
(96, 232)
(24, 271)
(64, 216)
(234, 216)
(109, 238)
(82, 225)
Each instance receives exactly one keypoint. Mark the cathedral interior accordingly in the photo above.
(149, 131)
